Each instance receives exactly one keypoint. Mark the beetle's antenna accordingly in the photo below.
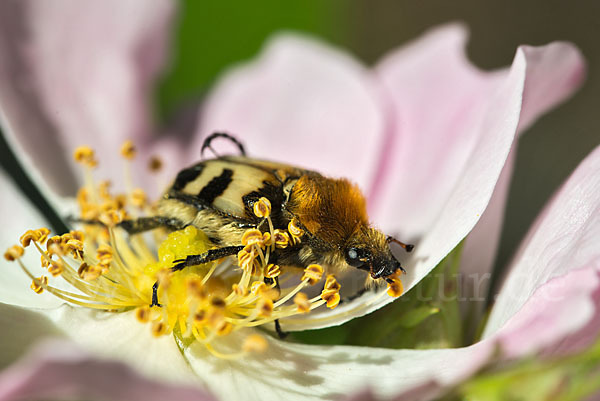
(407, 247)
(211, 137)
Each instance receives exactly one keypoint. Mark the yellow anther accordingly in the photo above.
(155, 164)
(255, 343)
(248, 262)
(301, 301)
(282, 239)
(267, 240)
(218, 302)
(44, 259)
(395, 288)
(258, 287)
(200, 316)
(56, 267)
(26, 238)
(295, 231)
(38, 284)
(139, 198)
(313, 274)
(13, 253)
(239, 290)
(252, 236)
(331, 292)
(272, 271)
(42, 234)
(88, 273)
(224, 328)
(331, 283)
(83, 196)
(159, 328)
(332, 298)
(265, 307)
(196, 289)
(75, 245)
(104, 254)
(75, 234)
(262, 208)
(128, 150)
(85, 155)
(54, 245)
(112, 217)
(143, 314)
(214, 317)
(104, 189)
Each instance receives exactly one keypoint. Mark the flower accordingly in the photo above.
(434, 136)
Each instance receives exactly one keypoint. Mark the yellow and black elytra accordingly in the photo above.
(217, 196)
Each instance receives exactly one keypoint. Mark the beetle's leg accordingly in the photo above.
(211, 137)
(407, 247)
(209, 256)
(192, 260)
(139, 225)
(155, 296)
(282, 334)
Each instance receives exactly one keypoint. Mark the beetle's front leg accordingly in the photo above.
(209, 256)
(193, 260)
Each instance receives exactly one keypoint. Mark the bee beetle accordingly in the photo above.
(217, 197)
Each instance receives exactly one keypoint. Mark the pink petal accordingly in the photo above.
(304, 103)
(554, 72)
(440, 103)
(564, 237)
(559, 312)
(74, 73)
(59, 370)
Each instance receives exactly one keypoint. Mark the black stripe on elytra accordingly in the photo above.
(187, 175)
(216, 186)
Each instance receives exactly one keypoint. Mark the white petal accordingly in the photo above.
(115, 335)
(19, 215)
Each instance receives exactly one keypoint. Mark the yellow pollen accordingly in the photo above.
(155, 164)
(38, 284)
(255, 343)
(281, 238)
(159, 328)
(313, 274)
(252, 236)
(272, 271)
(128, 150)
(265, 307)
(331, 292)
(301, 301)
(13, 253)
(262, 208)
(143, 314)
(395, 288)
(138, 198)
(88, 273)
(56, 267)
(295, 231)
(85, 155)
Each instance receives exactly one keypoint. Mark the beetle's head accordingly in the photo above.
(369, 250)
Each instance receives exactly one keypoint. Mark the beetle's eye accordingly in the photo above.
(356, 257)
